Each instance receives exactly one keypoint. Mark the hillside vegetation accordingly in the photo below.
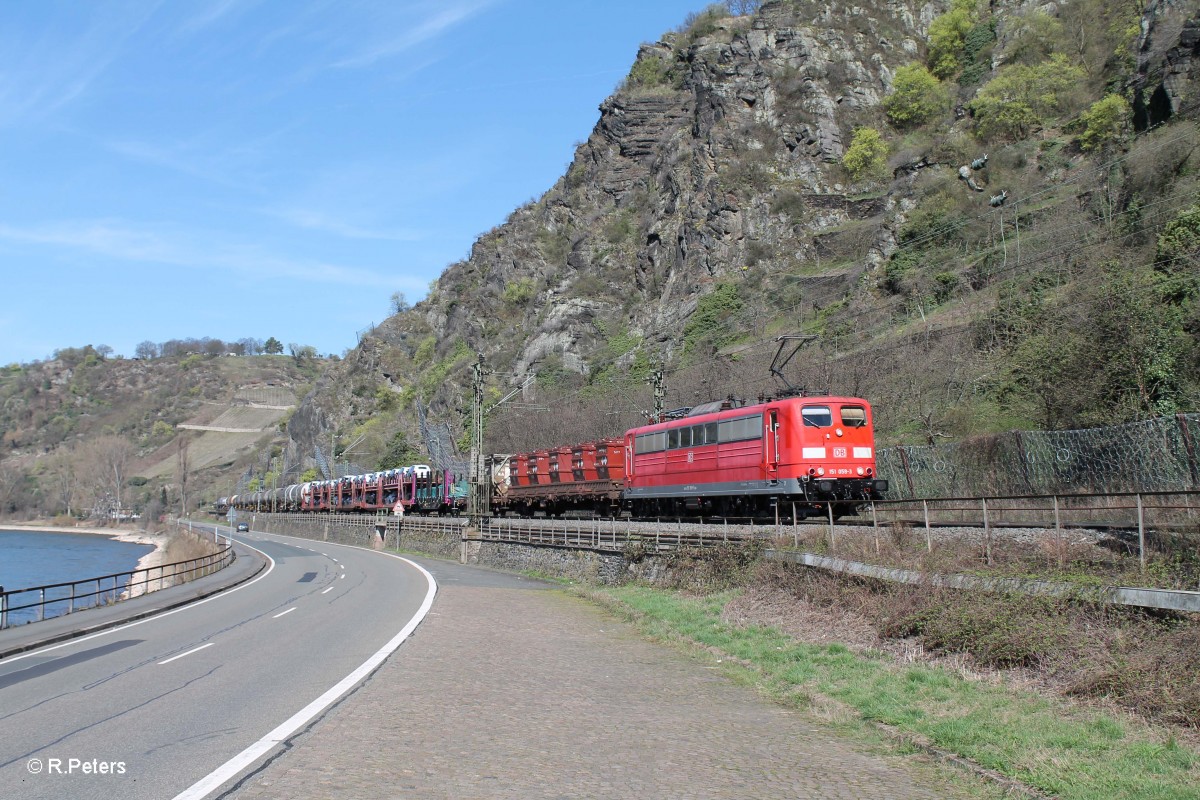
(86, 433)
(987, 215)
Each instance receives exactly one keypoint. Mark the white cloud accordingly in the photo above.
(41, 73)
(310, 219)
(410, 35)
(216, 11)
(115, 240)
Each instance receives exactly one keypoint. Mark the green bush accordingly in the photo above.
(1105, 121)
(947, 34)
(520, 291)
(916, 97)
(649, 72)
(1178, 249)
(977, 52)
(1032, 37)
(866, 157)
(937, 221)
(708, 321)
(902, 264)
(425, 350)
(1021, 99)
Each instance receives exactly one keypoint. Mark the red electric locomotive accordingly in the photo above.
(792, 455)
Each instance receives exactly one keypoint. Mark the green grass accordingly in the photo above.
(1071, 753)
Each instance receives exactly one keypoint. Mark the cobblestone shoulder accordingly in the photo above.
(511, 690)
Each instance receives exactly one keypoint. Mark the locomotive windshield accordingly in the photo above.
(854, 416)
(816, 416)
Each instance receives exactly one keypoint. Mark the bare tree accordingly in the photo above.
(108, 458)
(741, 8)
(146, 350)
(251, 346)
(12, 483)
(62, 476)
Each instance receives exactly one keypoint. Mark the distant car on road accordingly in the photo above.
(243, 526)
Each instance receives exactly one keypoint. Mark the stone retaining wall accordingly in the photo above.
(568, 563)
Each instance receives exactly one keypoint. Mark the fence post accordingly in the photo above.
(875, 527)
(795, 528)
(928, 533)
(832, 540)
(3, 609)
(987, 534)
(1141, 535)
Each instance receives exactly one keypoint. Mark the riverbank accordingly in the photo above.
(155, 558)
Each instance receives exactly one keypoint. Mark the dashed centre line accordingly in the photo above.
(280, 614)
(188, 653)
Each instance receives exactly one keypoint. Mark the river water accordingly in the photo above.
(34, 558)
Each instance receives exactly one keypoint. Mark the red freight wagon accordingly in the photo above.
(539, 468)
(753, 460)
(560, 465)
(579, 479)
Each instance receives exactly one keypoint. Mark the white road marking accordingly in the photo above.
(188, 653)
(290, 610)
(330, 589)
(216, 778)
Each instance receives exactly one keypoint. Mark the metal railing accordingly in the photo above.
(106, 589)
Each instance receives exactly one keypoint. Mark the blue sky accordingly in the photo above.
(257, 168)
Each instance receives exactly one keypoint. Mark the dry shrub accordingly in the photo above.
(711, 569)
(1144, 661)
(185, 545)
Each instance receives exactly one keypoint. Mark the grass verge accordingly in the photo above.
(1044, 743)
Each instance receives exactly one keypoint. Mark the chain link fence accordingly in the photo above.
(1154, 455)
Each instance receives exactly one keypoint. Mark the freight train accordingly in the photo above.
(788, 457)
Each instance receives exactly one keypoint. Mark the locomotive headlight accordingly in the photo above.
(820, 470)
(838, 431)
(860, 471)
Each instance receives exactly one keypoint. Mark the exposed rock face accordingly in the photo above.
(1168, 63)
(689, 163)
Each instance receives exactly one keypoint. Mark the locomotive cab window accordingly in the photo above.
(816, 416)
(854, 416)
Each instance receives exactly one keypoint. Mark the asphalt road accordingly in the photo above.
(186, 702)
